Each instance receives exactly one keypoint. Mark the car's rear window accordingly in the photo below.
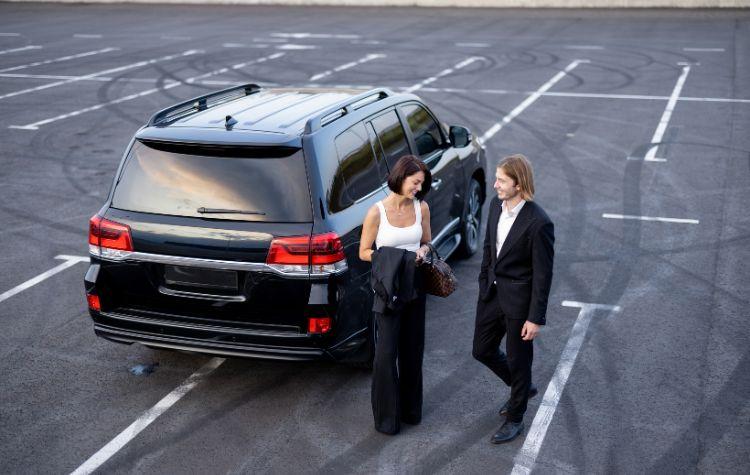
(244, 184)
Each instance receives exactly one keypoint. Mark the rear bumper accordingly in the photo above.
(225, 341)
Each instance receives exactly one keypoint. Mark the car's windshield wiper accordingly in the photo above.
(203, 210)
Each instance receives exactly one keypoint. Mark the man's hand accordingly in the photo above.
(529, 330)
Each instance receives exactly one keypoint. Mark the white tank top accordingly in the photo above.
(403, 238)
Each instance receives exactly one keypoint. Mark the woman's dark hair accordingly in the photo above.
(406, 166)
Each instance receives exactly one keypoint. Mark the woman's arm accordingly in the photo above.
(426, 232)
(369, 232)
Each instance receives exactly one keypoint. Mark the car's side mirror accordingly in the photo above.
(459, 136)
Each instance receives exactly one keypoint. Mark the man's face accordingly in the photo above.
(504, 185)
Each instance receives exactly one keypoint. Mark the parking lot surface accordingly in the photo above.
(637, 125)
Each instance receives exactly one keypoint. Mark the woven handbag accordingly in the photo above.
(438, 275)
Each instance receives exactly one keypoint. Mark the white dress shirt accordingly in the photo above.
(507, 218)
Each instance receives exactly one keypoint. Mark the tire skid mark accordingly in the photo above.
(137, 453)
(104, 95)
(333, 396)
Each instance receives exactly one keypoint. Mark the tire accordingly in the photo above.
(471, 221)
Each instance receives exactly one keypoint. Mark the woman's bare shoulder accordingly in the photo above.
(373, 214)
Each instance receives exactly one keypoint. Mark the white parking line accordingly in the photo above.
(70, 261)
(10, 34)
(314, 35)
(650, 218)
(114, 446)
(526, 457)
(473, 45)
(662, 127)
(710, 50)
(442, 73)
(86, 35)
(583, 95)
(593, 95)
(346, 66)
(529, 100)
(17, 50)
(47, 76)
(36, 125)
(78, 78)
(643, 97)
(458, 90)
(291, 47)
(101, 73)
(210, 82)
(714, 99)
(584, 47)
(59, 60)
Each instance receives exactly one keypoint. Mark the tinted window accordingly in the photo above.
(425, 130)
(391, 136)
(357, 174)
(379, 155)
(268, 185)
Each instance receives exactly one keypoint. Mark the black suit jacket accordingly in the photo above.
(519, 279)
(393, 278)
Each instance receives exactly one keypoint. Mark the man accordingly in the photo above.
(514, 284)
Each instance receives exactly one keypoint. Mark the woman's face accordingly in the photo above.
(412, 185)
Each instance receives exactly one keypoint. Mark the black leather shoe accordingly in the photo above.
(533, 391)
(507, 432)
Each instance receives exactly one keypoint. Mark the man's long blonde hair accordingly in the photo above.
(518, 168)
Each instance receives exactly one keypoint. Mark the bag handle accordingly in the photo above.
(433, 253)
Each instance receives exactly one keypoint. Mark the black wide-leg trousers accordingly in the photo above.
(491, 326)
(397, 369)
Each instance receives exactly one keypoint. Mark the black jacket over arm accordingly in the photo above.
(393, 278)
(523, 270)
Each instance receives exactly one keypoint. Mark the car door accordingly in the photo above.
(429, 143)
(355, 183)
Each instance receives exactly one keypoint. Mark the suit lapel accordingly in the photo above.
(523, 220)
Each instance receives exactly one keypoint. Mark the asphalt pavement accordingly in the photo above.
(636, 122)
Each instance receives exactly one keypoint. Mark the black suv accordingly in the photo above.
(233, 223)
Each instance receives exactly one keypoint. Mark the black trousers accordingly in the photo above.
(515, 368)
(397, 369)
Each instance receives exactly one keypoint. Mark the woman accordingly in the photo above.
(399, 222)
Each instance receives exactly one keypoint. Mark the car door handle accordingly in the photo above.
(436, 184)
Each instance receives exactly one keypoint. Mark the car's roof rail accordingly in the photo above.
(202, 103)
(353, 103)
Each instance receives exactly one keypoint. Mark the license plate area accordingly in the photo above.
(200, 278)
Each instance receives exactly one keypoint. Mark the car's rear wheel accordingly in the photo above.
(471, 221)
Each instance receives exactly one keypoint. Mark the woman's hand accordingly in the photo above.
(422, 253)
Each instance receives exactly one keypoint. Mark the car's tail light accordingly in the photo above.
(94, 303)
(318, 325)
(317, 254)
(108, 239)
(326, 249)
